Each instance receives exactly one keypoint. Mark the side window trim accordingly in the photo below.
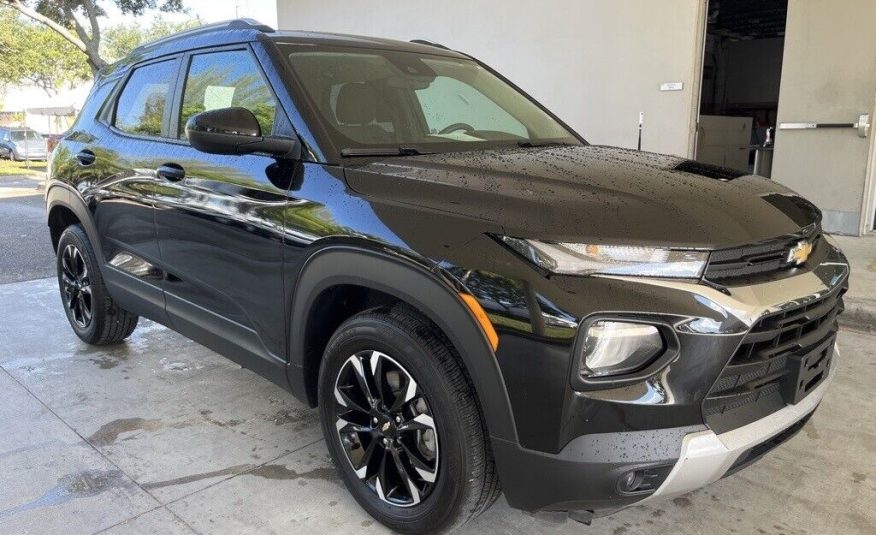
(120, 88)
(182, 75)
(175, 129)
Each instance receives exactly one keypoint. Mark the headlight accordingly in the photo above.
(588, 259)
(615, 347)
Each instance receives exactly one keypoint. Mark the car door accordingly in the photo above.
(220, 221)
(116, 163)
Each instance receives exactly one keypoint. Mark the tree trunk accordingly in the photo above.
(94, 61)
(88, 47)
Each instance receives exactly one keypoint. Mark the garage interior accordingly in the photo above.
(742, 70)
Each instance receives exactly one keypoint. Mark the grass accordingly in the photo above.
(9, 167)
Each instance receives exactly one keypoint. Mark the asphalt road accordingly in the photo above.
(25, 249)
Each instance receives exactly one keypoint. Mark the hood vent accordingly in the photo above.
(708, 170)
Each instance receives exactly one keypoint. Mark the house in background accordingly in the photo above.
(31, 106)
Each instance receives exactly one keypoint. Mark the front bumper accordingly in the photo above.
(706, 457)
(584, 475)
(575, 445)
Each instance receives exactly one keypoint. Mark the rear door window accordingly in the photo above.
(227, 79)
(147, 95)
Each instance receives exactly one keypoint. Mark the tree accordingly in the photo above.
(121, 39)
(78, 21)
(35, 55)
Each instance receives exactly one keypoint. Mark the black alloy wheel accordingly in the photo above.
(76, 286)
(387, 430)
(402, 424)
(93, 314)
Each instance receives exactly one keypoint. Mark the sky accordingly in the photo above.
(264, 11)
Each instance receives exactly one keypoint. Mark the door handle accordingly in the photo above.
(86, 157)
(171, 172)
(862, 126)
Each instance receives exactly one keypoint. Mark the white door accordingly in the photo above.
(828, 77)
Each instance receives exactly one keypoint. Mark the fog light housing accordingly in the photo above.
(631, 481)
(643, 480)
(618, 347)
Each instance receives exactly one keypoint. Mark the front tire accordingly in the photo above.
(92, 313)
(402, 424)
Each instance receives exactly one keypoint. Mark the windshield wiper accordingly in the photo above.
(528, 144)
(378, 151)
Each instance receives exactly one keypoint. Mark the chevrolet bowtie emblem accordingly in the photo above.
(385, 427)
(800, 252)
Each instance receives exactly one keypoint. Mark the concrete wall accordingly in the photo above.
(595, 63)
(829, 75)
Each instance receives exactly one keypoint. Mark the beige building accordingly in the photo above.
(709, 76)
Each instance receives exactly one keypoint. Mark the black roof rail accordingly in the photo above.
(234, 24)
(429, 43)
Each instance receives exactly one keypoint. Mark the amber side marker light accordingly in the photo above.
(482, 318)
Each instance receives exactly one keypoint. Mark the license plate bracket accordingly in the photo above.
(806, 372)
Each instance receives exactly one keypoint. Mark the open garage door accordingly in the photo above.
(739, 94)
(788, 89)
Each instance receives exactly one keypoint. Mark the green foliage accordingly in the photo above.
(31, 53)
(80, 21)
(120, 40)
(64, 11)
(8, 167)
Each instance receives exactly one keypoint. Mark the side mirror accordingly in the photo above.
(235, 131)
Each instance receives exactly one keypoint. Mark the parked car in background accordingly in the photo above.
(22, 144)
(477, 299)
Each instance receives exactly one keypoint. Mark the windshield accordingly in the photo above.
(32, 135)
(373, 99)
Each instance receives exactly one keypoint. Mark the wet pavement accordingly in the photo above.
(160, 435)
(24, 236)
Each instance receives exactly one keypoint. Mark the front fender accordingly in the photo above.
(421, 288)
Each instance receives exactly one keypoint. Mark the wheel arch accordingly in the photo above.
(410, 283)
(65, 207)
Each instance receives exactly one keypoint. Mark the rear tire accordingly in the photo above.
(451, 472)
(92, 313)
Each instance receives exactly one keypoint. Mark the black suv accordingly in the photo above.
(476, 298)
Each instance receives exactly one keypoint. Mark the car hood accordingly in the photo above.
(590, 194)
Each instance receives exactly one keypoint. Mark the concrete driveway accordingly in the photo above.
(160, 435)
(24, 236)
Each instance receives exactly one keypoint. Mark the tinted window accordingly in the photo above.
(225, 80)
(386, 98)
(140, 109)
(31, 135)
